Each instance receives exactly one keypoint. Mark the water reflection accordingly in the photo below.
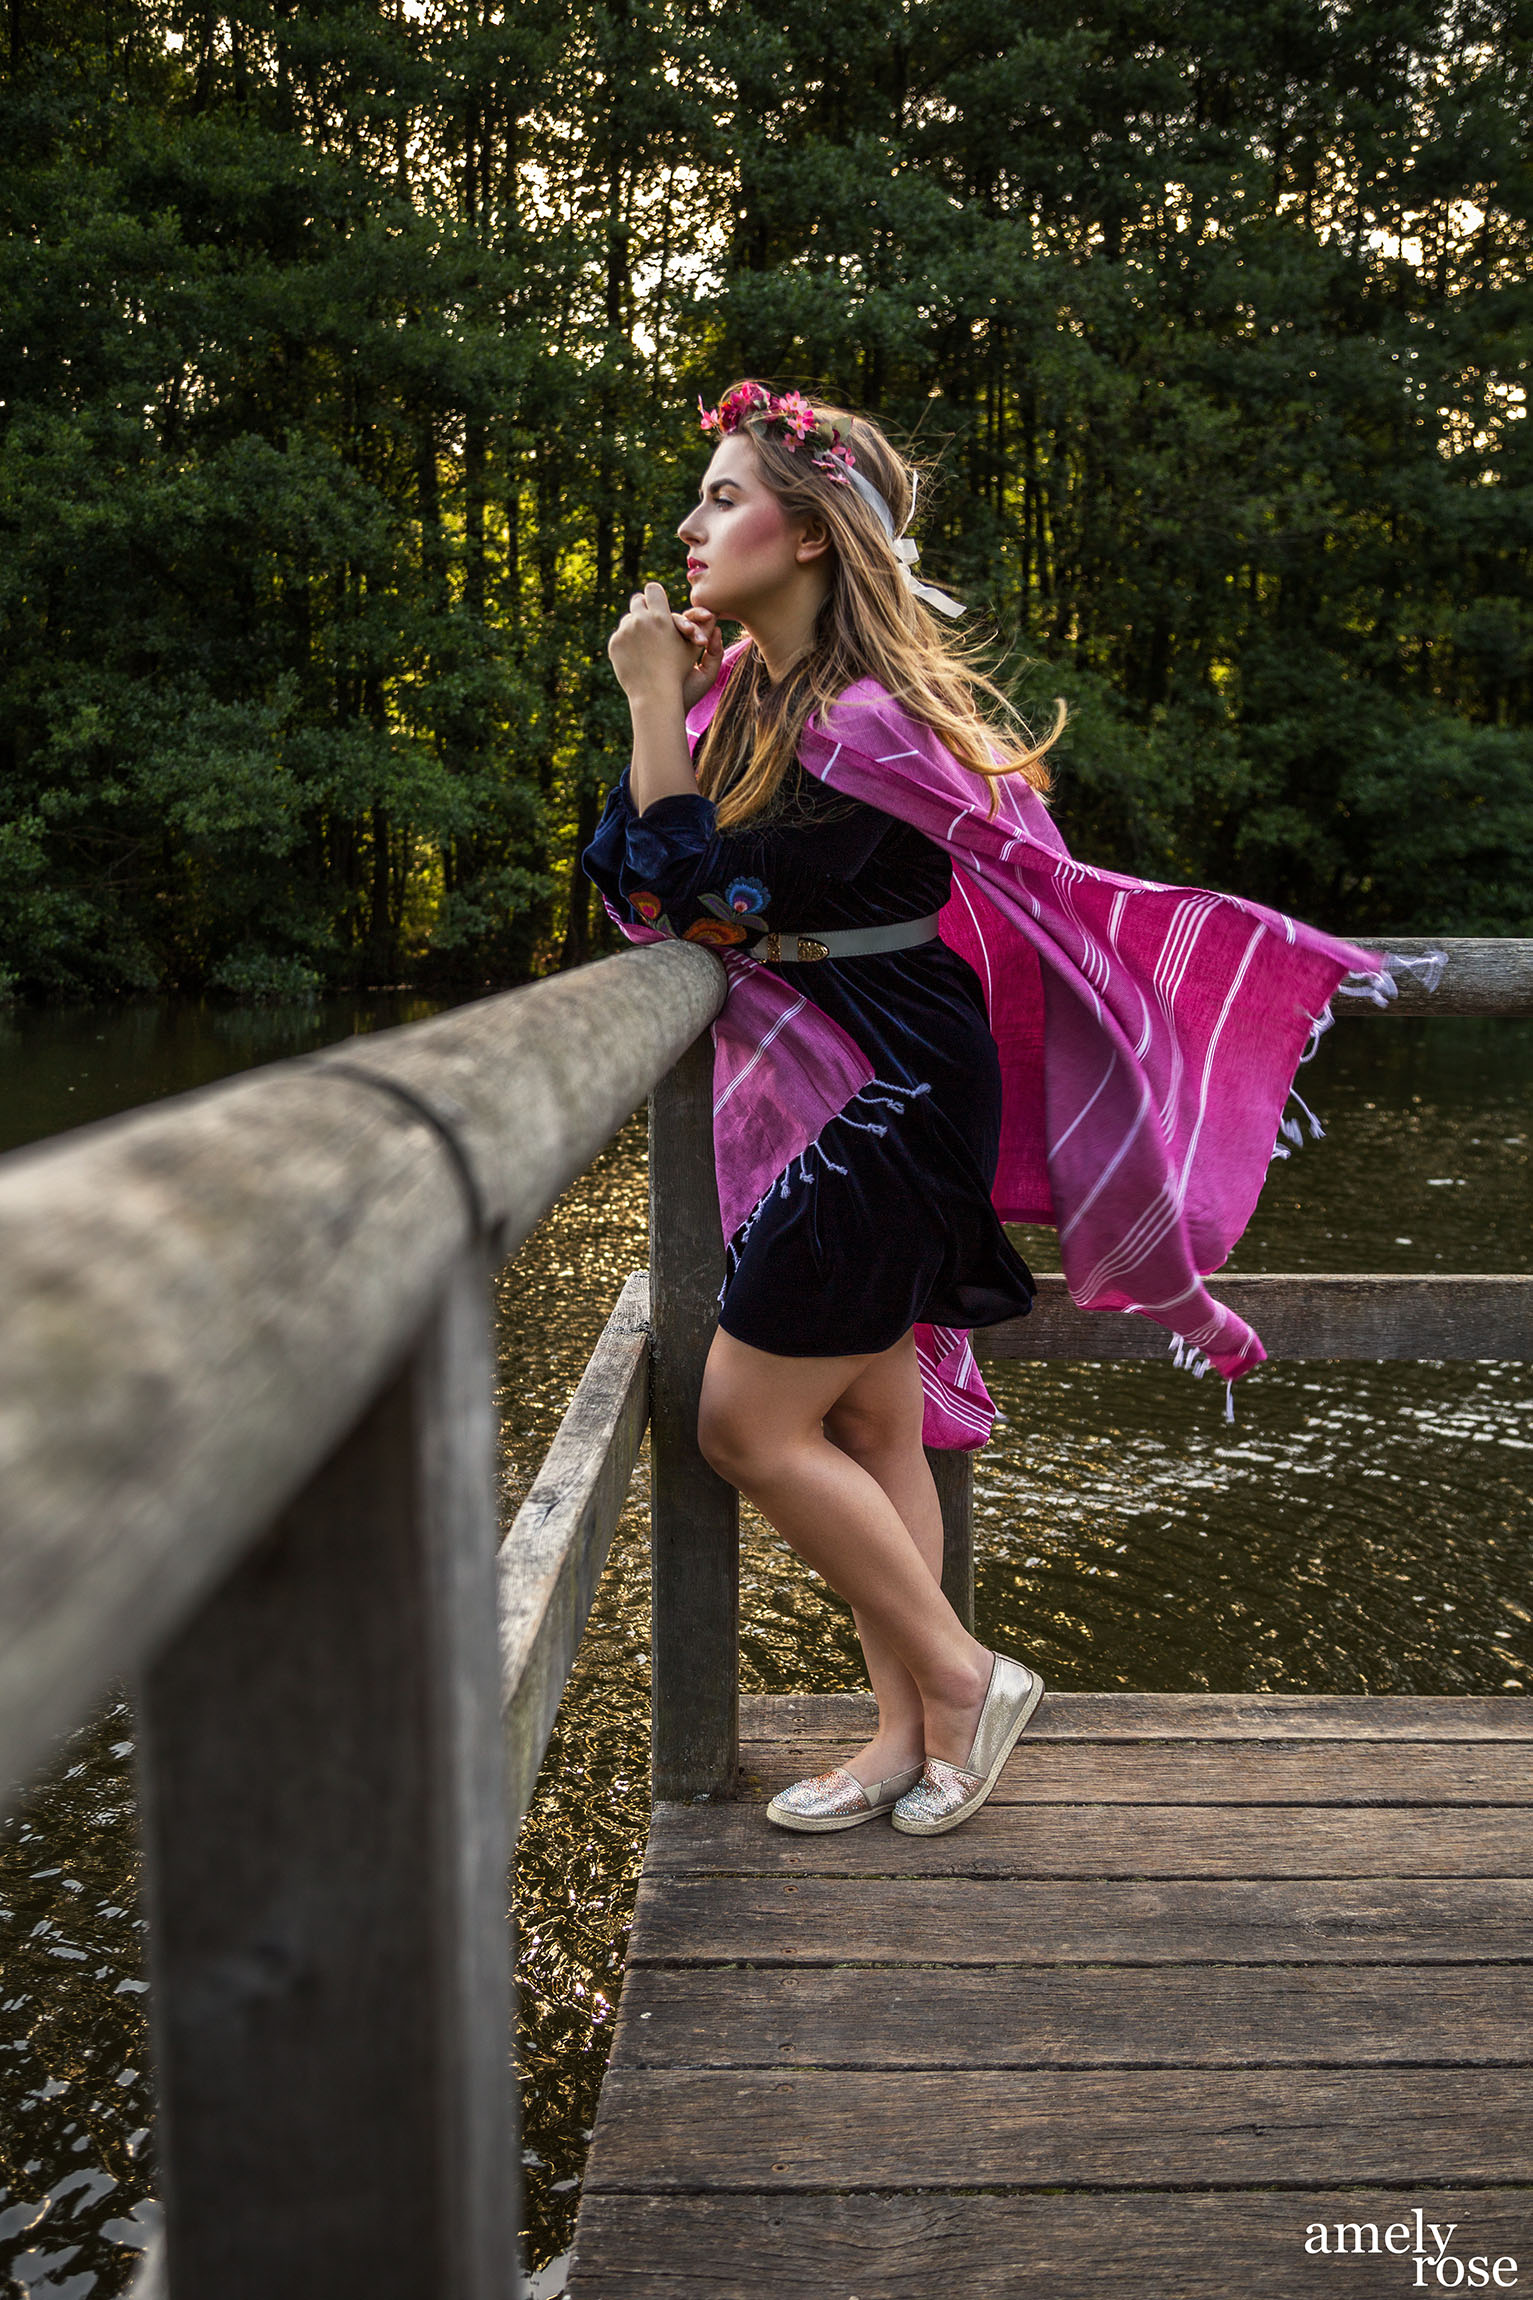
(1360, 1529)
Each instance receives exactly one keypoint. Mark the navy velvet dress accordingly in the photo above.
(887, 1223)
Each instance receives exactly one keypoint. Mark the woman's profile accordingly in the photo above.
(936, 1022)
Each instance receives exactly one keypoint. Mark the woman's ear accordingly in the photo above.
(813, 541)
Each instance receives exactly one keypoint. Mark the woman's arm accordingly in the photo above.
(655, 655)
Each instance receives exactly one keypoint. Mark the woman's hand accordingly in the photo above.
(653, 650)
(702, 630)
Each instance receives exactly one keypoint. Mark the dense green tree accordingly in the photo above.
(346, 358)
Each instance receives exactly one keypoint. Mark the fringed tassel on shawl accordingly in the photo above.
(1381, 987)
(880, 1094)
(1290, 1130)
(1193, 1361)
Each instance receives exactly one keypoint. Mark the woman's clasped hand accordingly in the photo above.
(655, 649)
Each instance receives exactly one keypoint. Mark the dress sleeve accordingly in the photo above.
(673, 868)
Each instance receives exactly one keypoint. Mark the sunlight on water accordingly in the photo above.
(1360, 1528)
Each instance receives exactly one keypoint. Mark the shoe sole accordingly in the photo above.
(830, 1820)
(972, 1804)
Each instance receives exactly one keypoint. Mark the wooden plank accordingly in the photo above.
(830, 1920)
(1110, 2246)
(1298, 1317)
(1126, 1717)
(1482, 976)
(695, 1539)
(1116, 1841)
(925, 2016)
(953, 1475)
(1221, 1772)
(689, 2129)
(324, 1815)
(551, 1560)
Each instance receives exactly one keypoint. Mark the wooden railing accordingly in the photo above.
(246, 1459)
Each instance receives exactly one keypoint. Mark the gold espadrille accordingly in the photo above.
(837, 1800)
(947, 1794)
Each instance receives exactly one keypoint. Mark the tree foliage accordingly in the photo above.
(346, 360)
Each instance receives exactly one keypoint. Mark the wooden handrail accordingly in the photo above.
(201, 1297)
(247, 1448)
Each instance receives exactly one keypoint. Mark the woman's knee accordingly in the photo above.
(726, 1436)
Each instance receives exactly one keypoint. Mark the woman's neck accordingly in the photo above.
(783, 630)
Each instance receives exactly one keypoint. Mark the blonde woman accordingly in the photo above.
(812, 839)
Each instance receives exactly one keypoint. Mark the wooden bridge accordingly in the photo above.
(1208, 1976)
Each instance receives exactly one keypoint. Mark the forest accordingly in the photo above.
(349, 360)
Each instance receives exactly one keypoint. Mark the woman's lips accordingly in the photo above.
(697, 566)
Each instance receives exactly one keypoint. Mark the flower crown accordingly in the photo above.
(752, 401)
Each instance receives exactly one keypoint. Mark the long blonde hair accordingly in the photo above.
(870, 626)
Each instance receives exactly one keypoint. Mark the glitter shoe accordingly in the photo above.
(837, 1800)
(947, 1794)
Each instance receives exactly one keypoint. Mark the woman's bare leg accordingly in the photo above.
(877, 1420)
(762, 1426)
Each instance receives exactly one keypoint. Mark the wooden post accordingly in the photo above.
(695, 1544)
(324, 1814)
(953, 1473)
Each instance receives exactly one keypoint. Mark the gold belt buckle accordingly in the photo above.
(804, 947)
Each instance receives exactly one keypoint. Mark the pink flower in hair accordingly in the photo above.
(736, 405)
(798, 417)
(836, 461)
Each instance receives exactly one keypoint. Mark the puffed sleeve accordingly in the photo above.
(673, 869)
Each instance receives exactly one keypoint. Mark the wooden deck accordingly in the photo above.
(1207, 1971)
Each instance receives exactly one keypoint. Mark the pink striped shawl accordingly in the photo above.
(1148, 1035)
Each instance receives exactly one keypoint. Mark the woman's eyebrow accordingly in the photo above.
(713, 485)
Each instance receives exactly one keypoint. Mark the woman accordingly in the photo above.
(881, 1231)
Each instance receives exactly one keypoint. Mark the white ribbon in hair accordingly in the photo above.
(905, 550)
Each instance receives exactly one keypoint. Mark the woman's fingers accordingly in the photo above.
(651, 643)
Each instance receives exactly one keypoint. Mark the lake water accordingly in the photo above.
(1360, 1528)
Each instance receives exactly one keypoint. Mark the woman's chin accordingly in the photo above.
(715, 600)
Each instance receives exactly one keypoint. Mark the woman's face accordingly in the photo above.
(743, 552)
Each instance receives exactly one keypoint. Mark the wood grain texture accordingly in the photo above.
(552, 1558)
(1220, 1772)
(326, 1850)
(953, 1475)
(1177, 1717)
(530, 1084)
(201, 1298)
(986, 1922)
(1116, 1841)
(849, 2129)
(695, 1541)
(1298, 1317)
(1482, 976)
(1060, 2017)
(934, 2245)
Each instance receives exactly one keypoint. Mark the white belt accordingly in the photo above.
(844, 941)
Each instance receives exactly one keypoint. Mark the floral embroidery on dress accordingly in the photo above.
(651, 909)
(718, 931)
(744, 899)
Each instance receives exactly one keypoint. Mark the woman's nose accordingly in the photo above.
(687, 532)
